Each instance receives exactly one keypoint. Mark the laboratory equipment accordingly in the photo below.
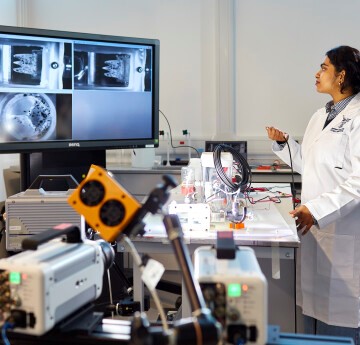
(37, 209)
(51, 279)
(235, 290)
(212, 184)
(187, 181)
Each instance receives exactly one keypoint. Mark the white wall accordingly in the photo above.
(280, 45)
(8, 13)
(186, 30)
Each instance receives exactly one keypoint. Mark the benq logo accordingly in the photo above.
(74, 144)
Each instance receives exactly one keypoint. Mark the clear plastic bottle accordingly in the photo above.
(187, 180)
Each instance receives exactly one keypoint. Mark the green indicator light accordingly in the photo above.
(156, 141)
(15, 278)
(234, 290)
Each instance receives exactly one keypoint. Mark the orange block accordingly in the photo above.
(236, 226)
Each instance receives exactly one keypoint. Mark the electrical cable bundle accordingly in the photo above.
(243, 176)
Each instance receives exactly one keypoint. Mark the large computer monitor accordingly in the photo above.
(66, 94)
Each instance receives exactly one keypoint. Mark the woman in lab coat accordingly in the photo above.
(329, 217)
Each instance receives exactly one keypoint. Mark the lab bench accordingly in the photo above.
(271, 233)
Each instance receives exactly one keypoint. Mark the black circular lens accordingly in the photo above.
(92, 193)
(112, 212)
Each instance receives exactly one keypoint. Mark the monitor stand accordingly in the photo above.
(75, 163)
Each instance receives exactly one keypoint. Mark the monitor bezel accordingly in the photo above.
(79, 145)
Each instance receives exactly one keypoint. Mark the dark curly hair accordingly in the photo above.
(348, 59)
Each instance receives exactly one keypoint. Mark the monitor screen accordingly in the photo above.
(74, 91)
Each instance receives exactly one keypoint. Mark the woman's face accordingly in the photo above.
(327, 79)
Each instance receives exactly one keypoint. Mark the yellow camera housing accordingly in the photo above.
(107, 207)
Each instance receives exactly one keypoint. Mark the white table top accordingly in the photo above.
(267, 223)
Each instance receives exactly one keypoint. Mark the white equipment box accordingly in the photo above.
(235, 290)
(34, 211)
(193, 217)
(46, 285)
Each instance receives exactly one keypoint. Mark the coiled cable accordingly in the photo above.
(243, 176)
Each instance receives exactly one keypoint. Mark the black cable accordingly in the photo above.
(121, 275)
(243, 180)
(171, 139)
(293, 191)
(274, 199)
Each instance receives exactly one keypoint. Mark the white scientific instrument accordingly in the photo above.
(36, 210)
(235, 290)
(44, 286)
(211, 182)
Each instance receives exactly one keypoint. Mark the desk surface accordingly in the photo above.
(267, 224)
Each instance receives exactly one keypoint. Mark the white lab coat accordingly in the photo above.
(329, 161)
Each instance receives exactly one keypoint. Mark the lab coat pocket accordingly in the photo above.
(340, 151)
(335, 255)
